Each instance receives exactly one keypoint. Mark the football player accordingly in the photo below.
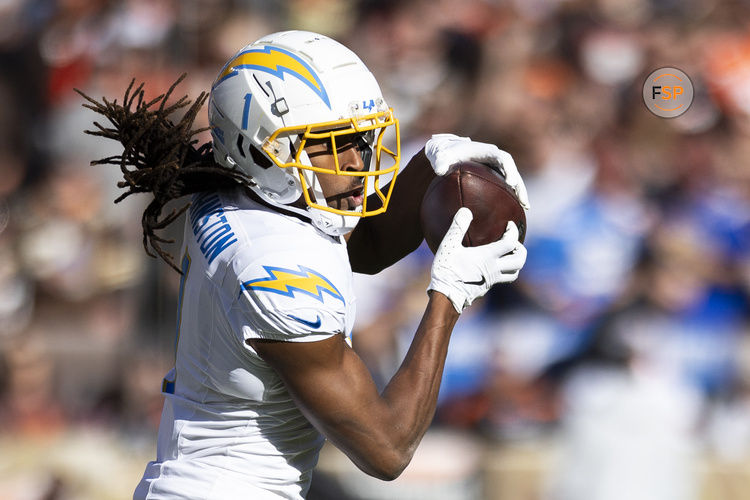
(303, 188)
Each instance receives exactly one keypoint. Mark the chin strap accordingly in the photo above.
(330, 223)
(304, 216)
(311, 179)
(334, 225)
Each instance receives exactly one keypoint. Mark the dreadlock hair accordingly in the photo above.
(159, 156)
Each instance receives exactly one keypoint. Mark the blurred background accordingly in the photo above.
(616, 367)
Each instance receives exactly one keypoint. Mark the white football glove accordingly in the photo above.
(444, 150)
(465, 273)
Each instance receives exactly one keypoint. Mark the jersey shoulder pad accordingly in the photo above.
(300, 293)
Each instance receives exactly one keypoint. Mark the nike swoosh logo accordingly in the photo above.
(311, 324)
(478, 283)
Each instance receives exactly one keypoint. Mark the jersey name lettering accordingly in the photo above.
(210, 227)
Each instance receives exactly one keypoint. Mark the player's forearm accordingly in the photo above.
(382, 439)
(413, 391)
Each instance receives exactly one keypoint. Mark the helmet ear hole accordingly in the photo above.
(259, 158)
(240, 144)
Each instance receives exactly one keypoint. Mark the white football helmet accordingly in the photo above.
(290, 87)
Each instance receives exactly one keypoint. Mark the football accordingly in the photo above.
(482, 190)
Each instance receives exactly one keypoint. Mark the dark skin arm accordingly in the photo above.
(382, 240)
(335, 391)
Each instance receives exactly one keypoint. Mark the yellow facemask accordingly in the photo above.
(375, 123)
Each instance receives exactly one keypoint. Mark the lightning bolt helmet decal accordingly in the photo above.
(288, 281)
(277, 62)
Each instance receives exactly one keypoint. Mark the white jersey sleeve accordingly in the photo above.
(279, 279)
(284, 298)
(282, 280)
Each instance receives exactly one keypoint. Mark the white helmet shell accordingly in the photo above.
(272, 93)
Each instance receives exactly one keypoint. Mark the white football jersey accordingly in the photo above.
(229, 428)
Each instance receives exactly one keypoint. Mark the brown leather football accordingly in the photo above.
(481, 189)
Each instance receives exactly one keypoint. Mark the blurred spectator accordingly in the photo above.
(627, 332)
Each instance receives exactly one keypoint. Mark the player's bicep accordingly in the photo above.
(323, 377)
(333, 388)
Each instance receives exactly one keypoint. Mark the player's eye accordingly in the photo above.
(345, 142)
(362, 141)
(315, 143)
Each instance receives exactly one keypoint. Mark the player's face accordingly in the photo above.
(341, 192)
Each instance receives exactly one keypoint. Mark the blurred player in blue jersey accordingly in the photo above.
(289, 201)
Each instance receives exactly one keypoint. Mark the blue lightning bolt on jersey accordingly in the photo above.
(250, 273)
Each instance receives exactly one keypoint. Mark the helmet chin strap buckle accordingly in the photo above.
(324, 222)
(332, 224)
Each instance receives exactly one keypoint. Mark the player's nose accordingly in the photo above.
(350, 160)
